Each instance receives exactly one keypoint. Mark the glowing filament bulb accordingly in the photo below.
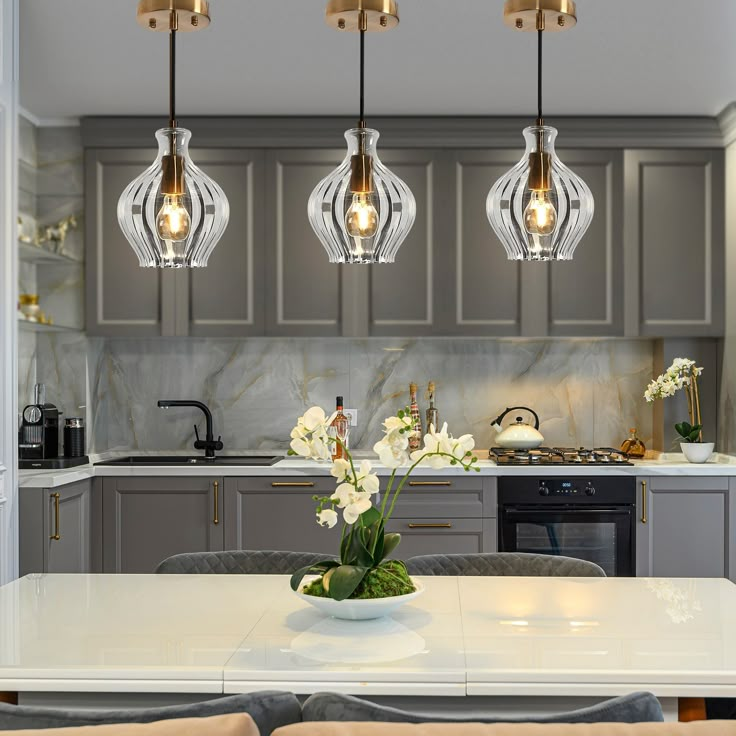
(540, 216)
(361, 219)
(173, 221)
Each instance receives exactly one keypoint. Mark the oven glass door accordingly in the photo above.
(600, 535)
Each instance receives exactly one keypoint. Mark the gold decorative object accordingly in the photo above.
(57, 233)
(28, 307)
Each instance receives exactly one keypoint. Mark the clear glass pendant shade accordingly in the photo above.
(169, 229)
(541, 224)
(361, 227)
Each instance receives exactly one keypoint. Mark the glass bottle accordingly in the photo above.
(632, 446)
(433, 416)
(415, 438)
(339, 430)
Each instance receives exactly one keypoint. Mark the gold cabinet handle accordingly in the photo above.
(216, 487)
(57, 533)
(294, 484)
(446, 525)
(430, 482)
(643, 502)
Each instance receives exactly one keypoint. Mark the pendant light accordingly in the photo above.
(540, 209)
(362, 212)
(173, 214)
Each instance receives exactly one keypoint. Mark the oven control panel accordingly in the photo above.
(566, 488)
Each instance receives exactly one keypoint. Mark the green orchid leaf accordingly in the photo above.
(390, 543)
(345, 580)
(357, 552)
(318, 567)
(371, 517)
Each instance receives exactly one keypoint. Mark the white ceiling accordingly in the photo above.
(447, 57)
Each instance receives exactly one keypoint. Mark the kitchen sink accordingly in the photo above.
(245, 460)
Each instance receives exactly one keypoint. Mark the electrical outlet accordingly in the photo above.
(352, 415)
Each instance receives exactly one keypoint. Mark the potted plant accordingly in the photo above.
(362, 582)
(683, 374)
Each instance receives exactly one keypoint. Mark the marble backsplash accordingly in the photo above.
(587, 392)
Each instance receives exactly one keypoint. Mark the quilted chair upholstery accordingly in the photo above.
(270, 710)
(239, 562)
(635, 708)
(503, 563)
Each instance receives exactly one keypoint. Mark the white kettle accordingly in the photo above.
(520, 435)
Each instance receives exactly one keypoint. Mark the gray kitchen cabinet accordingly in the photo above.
(223, 300)
(686, 527)
(674, 236)
(440, 514)
(56, 529)
(146, 520)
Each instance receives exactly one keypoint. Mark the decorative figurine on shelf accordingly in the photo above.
(56, 234)
(683, 374)
(351, 586)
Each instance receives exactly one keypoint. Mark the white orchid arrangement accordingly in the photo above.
(682, 374)
(362, 570)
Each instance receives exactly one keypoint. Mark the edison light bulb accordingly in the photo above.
(173, 221)
(361, 219)
(540, 216)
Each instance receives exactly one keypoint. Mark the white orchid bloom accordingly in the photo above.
(301, 447)
(462, 446)
(341, 469)
(344, 495)
(327, 517)
(314, 418)
(360, 504)
(392, 454)
(366, 480)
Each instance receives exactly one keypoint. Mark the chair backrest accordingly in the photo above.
(239, 562)
(635, 708)
(503, 563)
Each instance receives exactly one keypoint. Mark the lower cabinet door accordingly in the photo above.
(67, 528)
(146, 520)
(429, 536)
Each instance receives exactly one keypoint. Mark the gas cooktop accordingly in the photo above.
(559, 456)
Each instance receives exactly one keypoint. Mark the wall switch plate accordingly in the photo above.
(352, 415)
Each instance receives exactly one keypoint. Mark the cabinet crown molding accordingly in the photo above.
(727, 121)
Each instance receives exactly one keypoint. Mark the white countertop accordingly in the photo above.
(666, 465)
(475, 636)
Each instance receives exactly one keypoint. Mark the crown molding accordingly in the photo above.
(727, 122)
(48, 122)
(410, 132)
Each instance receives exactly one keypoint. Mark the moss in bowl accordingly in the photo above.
(389, 579)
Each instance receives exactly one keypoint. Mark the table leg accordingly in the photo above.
(11, 698)
(691, 709)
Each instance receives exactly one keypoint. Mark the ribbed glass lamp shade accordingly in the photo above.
(391, 198)
(179, 231)
(569, 195)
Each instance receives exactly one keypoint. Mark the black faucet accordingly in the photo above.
(209, 444)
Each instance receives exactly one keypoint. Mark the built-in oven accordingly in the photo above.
(589, 518)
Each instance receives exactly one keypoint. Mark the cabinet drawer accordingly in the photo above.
(425, 536)
(322, 485)
(450, 498)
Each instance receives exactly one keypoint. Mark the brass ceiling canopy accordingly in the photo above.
(522, 15)
(191, 15)
(345, 15)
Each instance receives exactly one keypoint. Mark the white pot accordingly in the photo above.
(358, 609)
(697, 452)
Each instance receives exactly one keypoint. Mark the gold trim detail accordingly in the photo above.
(430, 482)
(447, 525)
(294, 484)
(56, 536)
(523, 15)
(378, 15)
(643, 502)
(172, 181)
(191, 15)
(216, 489)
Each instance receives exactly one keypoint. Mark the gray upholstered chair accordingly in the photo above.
(503, 563)
(634, 708)
(239, 562)
(269, 709)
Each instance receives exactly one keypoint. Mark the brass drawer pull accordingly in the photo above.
(57, 533)
(216, 487)
(643, 502)
(447, 525)
(294, 484)
(430, 482)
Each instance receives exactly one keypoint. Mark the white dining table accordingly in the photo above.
(501, 643)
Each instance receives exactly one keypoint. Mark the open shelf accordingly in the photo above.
(28, 326)
(39, 254)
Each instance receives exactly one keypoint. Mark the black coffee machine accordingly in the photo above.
(38, 435)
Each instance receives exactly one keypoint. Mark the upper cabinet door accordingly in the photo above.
(674, 228)
(226, 299)
(586, 293)
(303, 289)
(484, 287)
(404, 295)
(123, 299)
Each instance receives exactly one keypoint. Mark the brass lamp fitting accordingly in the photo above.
(361, 173)
(362, 15)
(172, 182)
(540, 171)
(168, 15)
(527, 15)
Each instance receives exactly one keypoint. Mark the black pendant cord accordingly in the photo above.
(540, 119)
(361, 122)
(172, 77)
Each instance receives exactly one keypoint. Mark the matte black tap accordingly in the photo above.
(209, 444)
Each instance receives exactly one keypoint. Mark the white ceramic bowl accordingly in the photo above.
(358, 609)
(697, 452)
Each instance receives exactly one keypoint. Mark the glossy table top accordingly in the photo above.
(476, 636)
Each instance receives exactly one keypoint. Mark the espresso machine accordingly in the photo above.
(38, 435)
